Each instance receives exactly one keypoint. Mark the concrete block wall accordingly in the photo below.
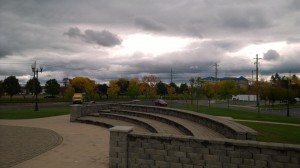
(134, 150)
(79, 110)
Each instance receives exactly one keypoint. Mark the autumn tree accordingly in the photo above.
(209, 91)
(11, 86)
(171, 92)
(149, 84)
(84, 85)
(113, 89)
(133, 89)
(69, 92)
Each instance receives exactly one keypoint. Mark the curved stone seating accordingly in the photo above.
(227, 128)
(152, 125)
(162, 120)
(188, 127)
(109, 123)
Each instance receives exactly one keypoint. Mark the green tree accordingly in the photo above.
(36, 88)
(1, 88)
(133, 89)
(123, 85)
(227, 89)
(192, 89)
(161, 88)
(11, 86)
(52, 87)
(183, 87)
(84, 85)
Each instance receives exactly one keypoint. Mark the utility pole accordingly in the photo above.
(171, 75)
(216, 70)
(252, 78)
(258, 89)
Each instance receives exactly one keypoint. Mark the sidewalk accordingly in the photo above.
(257, 121)
(83, 145)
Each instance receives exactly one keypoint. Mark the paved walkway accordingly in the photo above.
(257, 121)
(83, 145)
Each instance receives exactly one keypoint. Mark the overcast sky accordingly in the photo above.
(106, 40)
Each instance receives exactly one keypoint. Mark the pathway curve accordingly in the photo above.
(83, 145)
(257, 121)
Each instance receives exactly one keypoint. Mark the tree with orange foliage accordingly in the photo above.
(148, 85)
(113, 89)
(84, 85)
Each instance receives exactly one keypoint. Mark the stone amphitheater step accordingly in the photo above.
(196, 129)
(108, 122)
(160, 127)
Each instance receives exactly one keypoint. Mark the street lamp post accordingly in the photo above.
(288, 96)
(36, 71)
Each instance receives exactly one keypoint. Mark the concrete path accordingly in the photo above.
(83, 145)
(257, 121)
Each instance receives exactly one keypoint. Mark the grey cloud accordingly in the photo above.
(271, 55)
(102, 38)
(148, 24)
(244, 18)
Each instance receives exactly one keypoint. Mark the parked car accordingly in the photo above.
(50, 96)
(160, 102)
(297, 99)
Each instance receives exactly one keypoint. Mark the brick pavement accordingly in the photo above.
(83, 145)
(18, 144)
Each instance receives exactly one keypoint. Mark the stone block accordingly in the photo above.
(172, 159)
(250, 162)
(261, 163)
(185, 160)
(282, 159)
(162, 164)
(177, 153)
(211, 157)
(234, 154)
(157, 157)
(261, 157)
(236, 160)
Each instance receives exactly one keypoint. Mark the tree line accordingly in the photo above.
(151, 87)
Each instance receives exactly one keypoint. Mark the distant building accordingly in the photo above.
(241, 81)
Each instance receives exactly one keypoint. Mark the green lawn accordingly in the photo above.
(241, 114)
(275, 133)
(266, 132)
(29, 113)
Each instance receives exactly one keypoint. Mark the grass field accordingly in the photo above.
(29, 113)
(236, 114)
(266, 132)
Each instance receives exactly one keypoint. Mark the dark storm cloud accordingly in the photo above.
(148, 24)
(271, 55)
(102, 38)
